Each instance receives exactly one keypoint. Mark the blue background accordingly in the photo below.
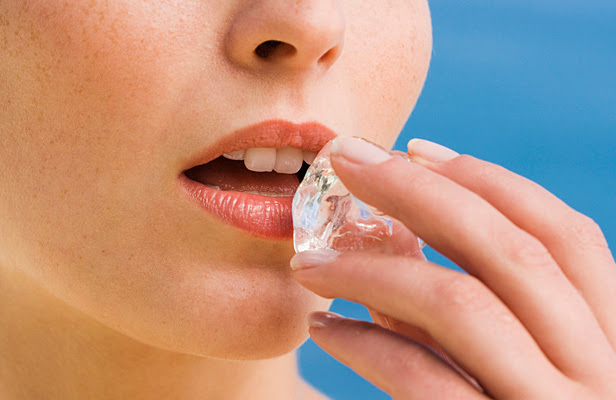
(529, 85)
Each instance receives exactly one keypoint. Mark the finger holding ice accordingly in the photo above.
(327, 216)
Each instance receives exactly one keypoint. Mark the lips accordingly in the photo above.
(258, 203)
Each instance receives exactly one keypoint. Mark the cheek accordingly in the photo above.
(390, 54)
(110, 67)
(88, 86)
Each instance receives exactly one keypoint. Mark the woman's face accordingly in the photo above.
(105, 103)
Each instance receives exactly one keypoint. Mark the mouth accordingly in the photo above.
(248, 179)
(266, 172)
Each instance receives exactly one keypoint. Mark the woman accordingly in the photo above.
(138, 260)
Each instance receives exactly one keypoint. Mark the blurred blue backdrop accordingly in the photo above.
(529, 85)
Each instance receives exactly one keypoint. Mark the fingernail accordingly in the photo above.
(321, 319)
(359, 150)
(314, 258)
(430, 151)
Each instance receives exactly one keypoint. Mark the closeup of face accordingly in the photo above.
(105, 104)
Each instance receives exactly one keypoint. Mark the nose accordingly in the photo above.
(286, 34)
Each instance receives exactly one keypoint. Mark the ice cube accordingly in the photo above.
(327, 216)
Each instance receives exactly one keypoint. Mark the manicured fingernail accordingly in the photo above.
(359, 150)
(430, 151)
(321, 319)
(307, 259)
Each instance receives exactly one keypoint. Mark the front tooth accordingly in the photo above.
(235, 155)
(288, 160)
(260, 159)
(309, 156)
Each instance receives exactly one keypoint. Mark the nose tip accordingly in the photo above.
(297, 35)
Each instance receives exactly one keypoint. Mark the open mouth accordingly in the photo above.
(249, 177)
(261, 171)
(251, 189)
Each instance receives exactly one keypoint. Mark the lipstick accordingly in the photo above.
(262, 216)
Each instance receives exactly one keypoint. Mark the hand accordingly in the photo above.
(534, 318)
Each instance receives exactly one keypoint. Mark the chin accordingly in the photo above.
(251, 314)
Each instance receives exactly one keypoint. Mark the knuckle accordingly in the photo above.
(585, 231)
(462, 294)
(527, 251)
(412, 360)
(414, 379)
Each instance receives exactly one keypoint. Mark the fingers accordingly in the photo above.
(471, 232)
(575, 242)
(421, 336)
(396, 364)
(410, 331)
(465, 318)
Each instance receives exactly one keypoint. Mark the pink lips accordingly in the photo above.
(262, 216)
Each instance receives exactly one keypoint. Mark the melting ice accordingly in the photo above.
(327, 216)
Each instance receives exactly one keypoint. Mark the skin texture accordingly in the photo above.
(113, 284)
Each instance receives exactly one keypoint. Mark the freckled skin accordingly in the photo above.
(102, 102)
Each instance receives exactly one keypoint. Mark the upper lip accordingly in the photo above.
(309, 136)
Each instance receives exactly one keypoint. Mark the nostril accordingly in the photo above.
(330, 56)
(267, 48)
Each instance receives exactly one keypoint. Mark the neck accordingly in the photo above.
(51, 350)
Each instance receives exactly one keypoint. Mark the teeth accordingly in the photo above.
(260, 159)
(288, 160)
(309, 156)
(235, 155)
(266, 194)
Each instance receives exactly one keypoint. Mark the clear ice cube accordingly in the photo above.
(327, 216)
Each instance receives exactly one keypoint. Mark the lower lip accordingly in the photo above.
(261, 216)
